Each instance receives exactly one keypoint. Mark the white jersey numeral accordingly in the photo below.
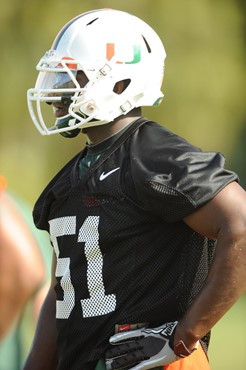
(59, 227)
(98, 303)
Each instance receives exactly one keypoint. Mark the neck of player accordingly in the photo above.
(96, 134)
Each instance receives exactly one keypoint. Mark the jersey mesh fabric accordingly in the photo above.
(94, 152)
(125, 255)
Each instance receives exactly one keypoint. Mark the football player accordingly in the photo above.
(148, 231)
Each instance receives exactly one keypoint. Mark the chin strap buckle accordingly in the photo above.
(126, 107)
(105, 69)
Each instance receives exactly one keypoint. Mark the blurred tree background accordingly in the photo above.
(204, 88)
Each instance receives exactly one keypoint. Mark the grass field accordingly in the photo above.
(228, 343)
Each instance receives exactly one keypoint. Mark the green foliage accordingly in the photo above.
(227, 346)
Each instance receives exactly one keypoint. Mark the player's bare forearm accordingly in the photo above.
(227, 277)
(223, 287)
(43, 353)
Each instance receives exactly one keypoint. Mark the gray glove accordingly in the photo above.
(142, 349)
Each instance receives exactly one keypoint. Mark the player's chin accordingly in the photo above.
(60, 112)
(85, 130)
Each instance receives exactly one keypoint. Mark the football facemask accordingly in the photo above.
(106, 46)
(59, 84)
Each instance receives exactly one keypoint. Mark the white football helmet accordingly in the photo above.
(108, 46)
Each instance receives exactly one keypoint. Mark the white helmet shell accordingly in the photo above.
(108, 46)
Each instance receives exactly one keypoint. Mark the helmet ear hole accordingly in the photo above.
(121, 86)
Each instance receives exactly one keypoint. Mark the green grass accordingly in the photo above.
(227, 349)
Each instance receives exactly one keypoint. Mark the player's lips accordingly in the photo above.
(59, 110)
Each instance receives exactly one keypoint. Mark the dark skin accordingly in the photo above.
(223, 218)
(43, 353)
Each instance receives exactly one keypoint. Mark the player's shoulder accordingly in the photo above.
(57, 188)
(156, 148)
(61, 181)
(164, 166)
(154, 136)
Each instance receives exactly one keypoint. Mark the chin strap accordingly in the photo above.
(70, 134)
(65, 121)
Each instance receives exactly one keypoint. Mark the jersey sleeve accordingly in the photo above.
(172, 178)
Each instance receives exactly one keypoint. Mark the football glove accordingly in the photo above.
(142, 349)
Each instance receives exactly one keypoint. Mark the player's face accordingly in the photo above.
(61, 108)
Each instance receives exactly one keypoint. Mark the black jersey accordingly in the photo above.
(124, 255)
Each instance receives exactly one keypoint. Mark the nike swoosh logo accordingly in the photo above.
(104, 175)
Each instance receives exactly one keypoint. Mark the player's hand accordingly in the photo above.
(142, 348)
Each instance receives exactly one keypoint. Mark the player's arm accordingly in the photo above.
(224, 219)
(43, 353)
